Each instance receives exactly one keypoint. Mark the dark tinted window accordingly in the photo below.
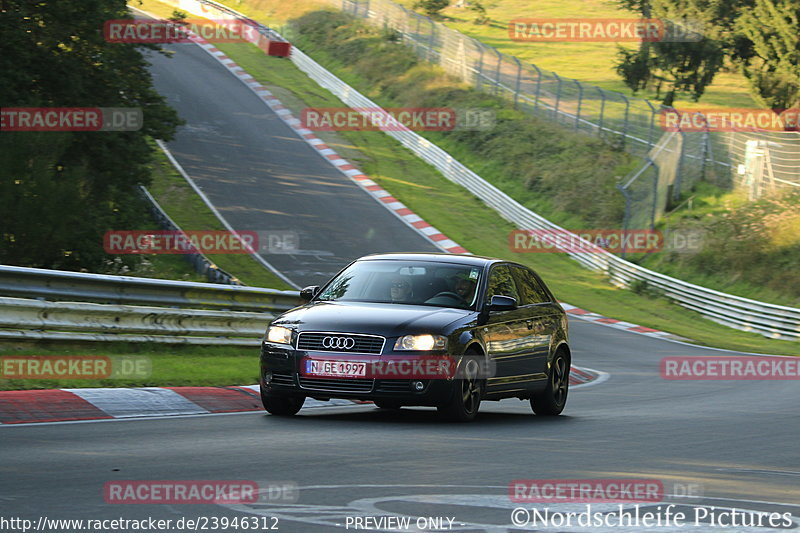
(529, 287)
(501, 283)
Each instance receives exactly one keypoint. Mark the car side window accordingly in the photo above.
(501, 283)
(529, 287)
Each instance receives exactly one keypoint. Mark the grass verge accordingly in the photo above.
(172, 366)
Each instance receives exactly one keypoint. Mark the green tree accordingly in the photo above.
(432, 8)
(771, 57)
(674, 66)
(61, 191)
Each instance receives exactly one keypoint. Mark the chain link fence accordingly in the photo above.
(763, 162)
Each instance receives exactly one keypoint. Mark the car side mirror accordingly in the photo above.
(502, 303)
(309, 292)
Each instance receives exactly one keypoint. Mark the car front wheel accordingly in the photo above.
(282, 405)
(551, 401)
(466, 400)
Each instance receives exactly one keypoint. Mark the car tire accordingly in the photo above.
(282, 405)
(551, 401)
(387, 404)
(466, 400)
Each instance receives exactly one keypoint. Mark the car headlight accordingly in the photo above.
(421, 343)
(279, 334)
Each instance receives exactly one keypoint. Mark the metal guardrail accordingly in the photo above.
(25, 319)
(23, 282)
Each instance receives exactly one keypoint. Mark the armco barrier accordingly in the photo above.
(25, 319)
(770, 320)
(58, 285)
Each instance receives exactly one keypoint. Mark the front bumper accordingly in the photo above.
(281, 373)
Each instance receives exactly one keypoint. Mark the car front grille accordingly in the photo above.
(312, 341)
(394, 385)
(286, 380)
(336, 385)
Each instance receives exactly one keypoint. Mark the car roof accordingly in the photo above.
(463, 259)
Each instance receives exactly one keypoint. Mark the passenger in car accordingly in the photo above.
(400, 290)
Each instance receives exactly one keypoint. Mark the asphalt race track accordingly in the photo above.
(732, 444)
(262, 177)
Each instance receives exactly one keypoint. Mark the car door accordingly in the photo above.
(504, 333)
(540, 317)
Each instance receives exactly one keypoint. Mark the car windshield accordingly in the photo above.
(406, 282)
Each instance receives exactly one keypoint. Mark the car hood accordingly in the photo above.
(373, 318)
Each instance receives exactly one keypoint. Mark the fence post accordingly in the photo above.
(602, 110)
(627, 217)
(538, 86)
(580, 101)
(558, 96)
(625, 121)
(652, 124)
(519, 81)
(676, 190)
(430, 40)
(479, 77)
(497, 73)
(656, 174)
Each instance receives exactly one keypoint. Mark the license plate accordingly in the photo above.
(339, 369)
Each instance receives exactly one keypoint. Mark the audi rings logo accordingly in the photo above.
(338, 343)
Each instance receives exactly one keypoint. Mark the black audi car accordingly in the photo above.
(412, 329)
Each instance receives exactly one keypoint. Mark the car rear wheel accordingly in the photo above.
(387, 404)
(282, 405)
(551, 401)
(466, 400)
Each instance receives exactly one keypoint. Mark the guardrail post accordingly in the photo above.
(519, 81)
(538, 86)
(580, 101)
(678, 184)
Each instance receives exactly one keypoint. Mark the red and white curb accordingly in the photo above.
(583, 314)
(65, 405)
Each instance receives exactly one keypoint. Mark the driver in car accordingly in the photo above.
(465, 288)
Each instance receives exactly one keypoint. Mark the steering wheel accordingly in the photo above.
(449, 295)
